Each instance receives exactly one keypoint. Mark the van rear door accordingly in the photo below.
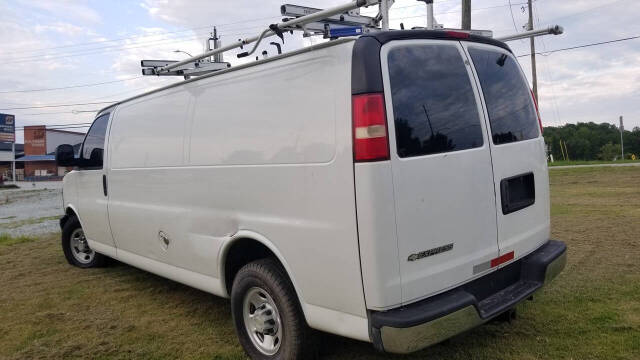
(517, 151)
(441, 164)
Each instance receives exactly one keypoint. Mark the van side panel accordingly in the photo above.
(145, 186)
(149, 131)
(274, 144)
(267, 150)
(271, 115)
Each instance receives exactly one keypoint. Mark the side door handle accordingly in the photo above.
(104, 184)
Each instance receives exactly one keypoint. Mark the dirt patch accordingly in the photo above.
(30, 212)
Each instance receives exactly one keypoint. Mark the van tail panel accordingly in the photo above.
(517, 150)
(468, 176)
(444, 194)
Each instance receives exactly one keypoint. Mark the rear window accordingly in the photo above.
(511, 112)
(434, 106)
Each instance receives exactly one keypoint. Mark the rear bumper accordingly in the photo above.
(427, 322)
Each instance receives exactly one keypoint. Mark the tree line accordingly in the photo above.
(591, 141)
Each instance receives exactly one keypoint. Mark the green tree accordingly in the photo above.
(585, 141)
(609, 152)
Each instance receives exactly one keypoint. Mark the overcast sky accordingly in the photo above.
(54, 44)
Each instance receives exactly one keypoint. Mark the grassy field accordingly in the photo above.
(49, 309)
(591, 162)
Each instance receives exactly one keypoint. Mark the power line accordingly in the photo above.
(45, 51)
(99, 50)
(103, 97)
(586, 11)
(135, 45)
(512, 17)
(114, 48)
(70, 86)
(49, 55)
(545, 53)
(77, 128)
(58, 125)
(143, 36)
(56, 105)
(163, 41)
(457, 11)
(74, 112)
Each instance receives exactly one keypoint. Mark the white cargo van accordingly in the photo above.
(391, 188)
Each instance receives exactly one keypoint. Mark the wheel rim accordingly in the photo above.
(79, 247)
(262, 321)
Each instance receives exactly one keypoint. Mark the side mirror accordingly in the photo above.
(65, 156)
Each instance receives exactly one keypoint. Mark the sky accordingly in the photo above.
(51, 50)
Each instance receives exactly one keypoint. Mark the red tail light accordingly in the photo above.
(370, 140)
(537, 112)
(458, 34)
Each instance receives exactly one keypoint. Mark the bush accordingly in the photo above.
(609, 152)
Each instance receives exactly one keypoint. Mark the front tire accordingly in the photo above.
(75, 247)
(266, 314)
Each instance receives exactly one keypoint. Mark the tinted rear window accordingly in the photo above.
(511, 113)
(434, 106)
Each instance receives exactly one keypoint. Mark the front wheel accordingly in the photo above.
(75, 247)
(267, 315)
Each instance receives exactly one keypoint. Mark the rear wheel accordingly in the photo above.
(75, 247)
(267, 315)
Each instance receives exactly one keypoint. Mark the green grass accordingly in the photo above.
(20, 223)
(8, 239)
(50, 310)
(590, 162)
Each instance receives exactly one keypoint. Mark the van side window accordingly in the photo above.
(93, 148)
(511, 112)
(434, 106)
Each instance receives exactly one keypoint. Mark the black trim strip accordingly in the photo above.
(385, 36)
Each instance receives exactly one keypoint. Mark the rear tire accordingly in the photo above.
(75, 247)
(267, 316)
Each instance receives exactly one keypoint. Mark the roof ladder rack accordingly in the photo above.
(294, 24)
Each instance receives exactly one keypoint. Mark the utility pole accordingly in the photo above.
(384, 11)
(534, 76)
(621, 141)
(466, 14)
(13, 162)
(216, 45)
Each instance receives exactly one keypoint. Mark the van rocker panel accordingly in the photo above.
(427, 322)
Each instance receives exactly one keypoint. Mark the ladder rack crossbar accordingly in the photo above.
(283, 26)
(551, 30)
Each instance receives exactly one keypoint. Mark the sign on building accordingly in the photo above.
(35, 140)
(7, 128)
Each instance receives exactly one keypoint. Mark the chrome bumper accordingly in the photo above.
(440, 317)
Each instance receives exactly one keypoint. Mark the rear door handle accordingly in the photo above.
(517, 192)
(104, 184)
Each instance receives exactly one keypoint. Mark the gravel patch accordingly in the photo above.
(30, 212)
